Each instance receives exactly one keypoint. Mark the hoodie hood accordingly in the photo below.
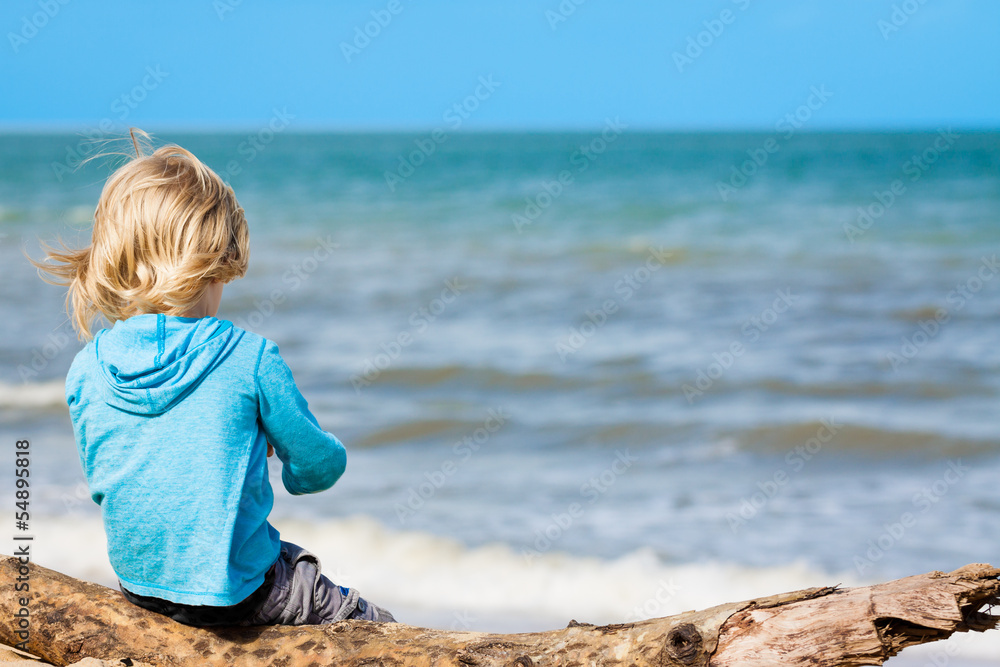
(151, 362)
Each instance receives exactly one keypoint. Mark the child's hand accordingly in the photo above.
(270, 450)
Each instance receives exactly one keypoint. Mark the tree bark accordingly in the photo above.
(72, 619)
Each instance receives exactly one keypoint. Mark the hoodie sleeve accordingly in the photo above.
(312, 459)
(73, 395)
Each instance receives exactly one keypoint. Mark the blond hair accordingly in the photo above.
(165, 228)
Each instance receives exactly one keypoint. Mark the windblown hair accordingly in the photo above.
(165, 228)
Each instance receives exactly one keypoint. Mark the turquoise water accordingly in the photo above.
(608, 347)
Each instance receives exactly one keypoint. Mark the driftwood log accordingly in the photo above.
(72, 619)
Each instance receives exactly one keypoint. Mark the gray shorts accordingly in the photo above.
(302, 595)
(299, 595)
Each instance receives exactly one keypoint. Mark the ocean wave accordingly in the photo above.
(856, 439)
(630, 371)
(926, 389)
(426, 573)
(8, 214)
(417, 429)
(918, 313)
(483, 376)
(33, 395)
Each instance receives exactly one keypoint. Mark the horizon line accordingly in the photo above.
(239, 128)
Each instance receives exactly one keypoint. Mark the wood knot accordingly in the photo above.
(523, 661)
(683, 643)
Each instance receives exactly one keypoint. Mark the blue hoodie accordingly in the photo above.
(172, 416)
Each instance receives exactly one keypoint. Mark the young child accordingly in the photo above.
(175, 412)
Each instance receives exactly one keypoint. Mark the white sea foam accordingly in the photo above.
(33, 395)
(421, 571)
(430, 580)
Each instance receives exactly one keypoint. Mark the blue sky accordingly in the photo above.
(713, 65)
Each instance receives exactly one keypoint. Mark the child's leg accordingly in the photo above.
(303, 596)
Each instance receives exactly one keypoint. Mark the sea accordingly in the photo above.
(600, 375)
